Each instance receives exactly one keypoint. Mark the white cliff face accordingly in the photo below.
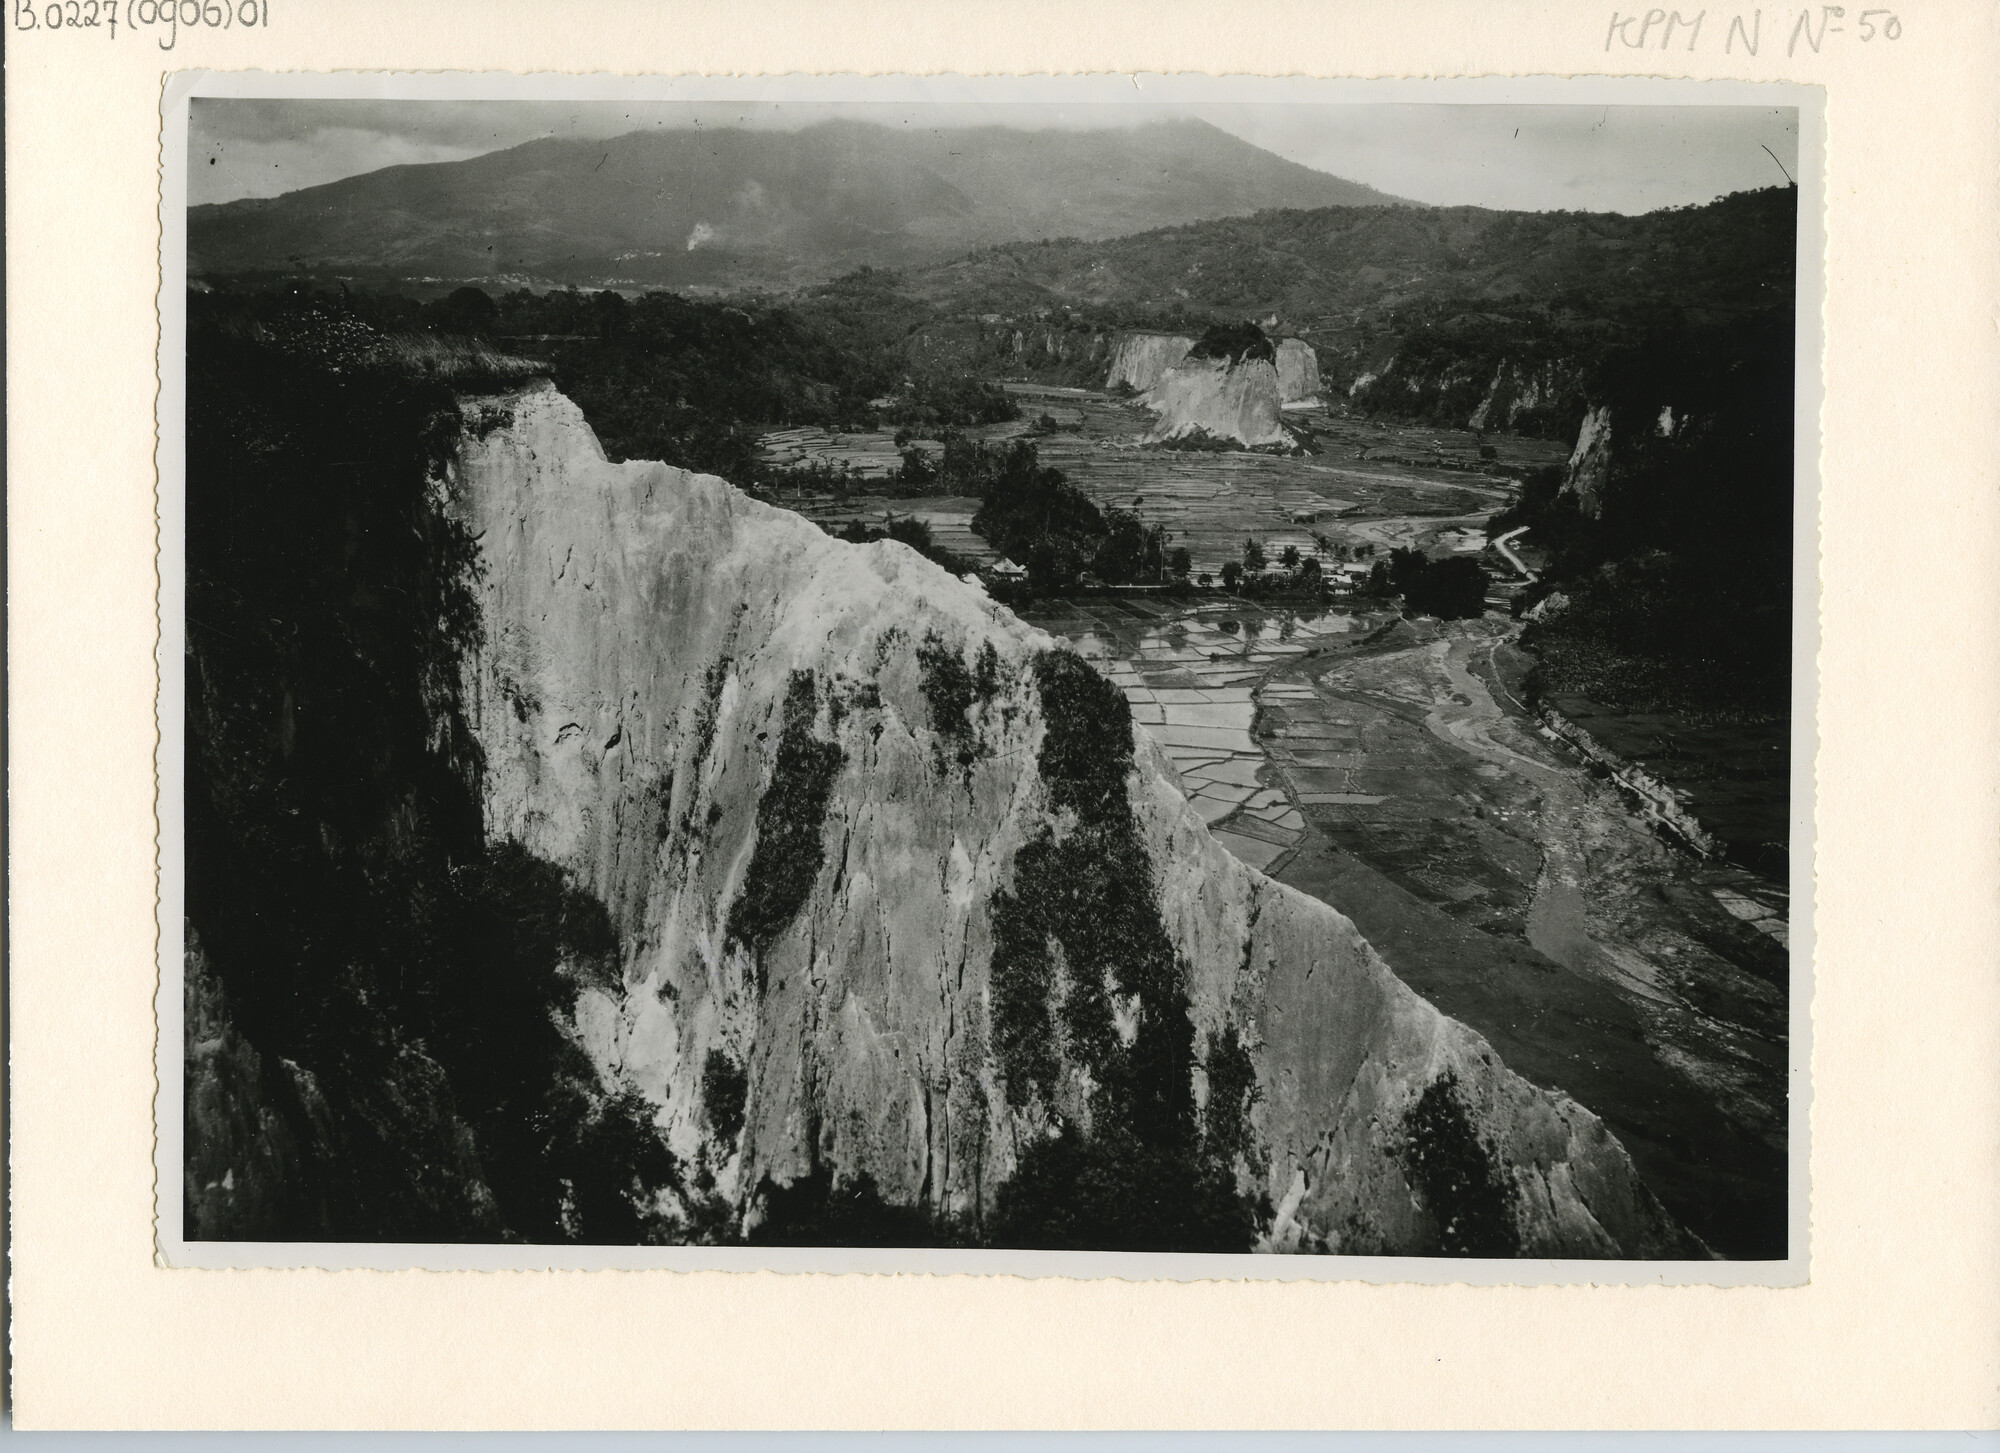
(1590, 461)
(1140, 360)
(1298, 371)
(1516, 389)
(1225, 400)
(654, 640)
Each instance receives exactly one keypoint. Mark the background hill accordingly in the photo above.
(731, 208)
(1343, 266)
(1420, 313)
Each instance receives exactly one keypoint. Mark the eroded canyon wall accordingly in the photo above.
(1589, 467)
(1236, 400)
(1298, 371)
(1140, 360)
(902, 894)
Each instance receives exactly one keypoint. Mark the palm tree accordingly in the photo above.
(1289, 558)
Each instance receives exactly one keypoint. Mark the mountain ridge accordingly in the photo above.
(740, 206)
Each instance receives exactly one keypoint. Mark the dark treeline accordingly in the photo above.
(395, 978)
(694, 383)
(1453, 588)
(1679, 586)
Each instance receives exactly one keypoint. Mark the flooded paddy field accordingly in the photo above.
(1191, 673)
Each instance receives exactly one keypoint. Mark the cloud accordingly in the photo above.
(221, 170)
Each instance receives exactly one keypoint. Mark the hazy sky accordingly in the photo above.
(1536, 158)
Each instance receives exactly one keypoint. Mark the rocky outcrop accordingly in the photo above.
(1237, 400)
(989, 345)
(1469, 386)
(1525, 389)
(1590, 462)
(1140, 360)
(902, 894)
(1298, 371)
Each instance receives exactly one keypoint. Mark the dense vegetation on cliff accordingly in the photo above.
(396, 977)
(1148, 1172)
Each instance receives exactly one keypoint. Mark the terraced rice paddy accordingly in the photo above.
(1191, 676)
(1371, 483)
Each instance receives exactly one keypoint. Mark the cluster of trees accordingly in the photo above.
(931, 401)
(908, 530)
(694, 383)
(1453, 588)
(1302, 572)
(1029, 511)
(1235, 342)
(1032, 514)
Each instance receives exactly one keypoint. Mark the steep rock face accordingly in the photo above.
(1060, 347)
(1225, 399)
(1590, 462)
(1469, 384)
(990, 344)
(1140, 360)
(1525, 389)
(1298, 371)
(819, 787)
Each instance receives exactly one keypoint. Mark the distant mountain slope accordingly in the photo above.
(1343, 265)
(1452, 315)
(738, 206)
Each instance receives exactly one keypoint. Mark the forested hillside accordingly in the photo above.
(1339, 267)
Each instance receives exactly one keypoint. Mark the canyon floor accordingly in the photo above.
(1375, 764)
(1388, 768)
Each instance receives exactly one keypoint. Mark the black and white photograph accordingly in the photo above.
(1010, 677)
